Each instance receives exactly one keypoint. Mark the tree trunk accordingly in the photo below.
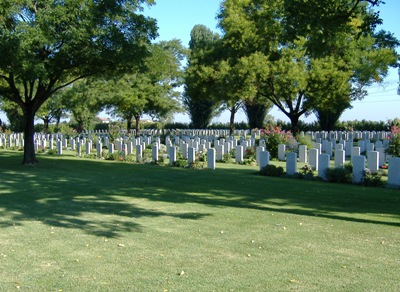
(29, 146)
(232, 121)
(129, 124)
(294, 120)
(46, 122)
(137, 125)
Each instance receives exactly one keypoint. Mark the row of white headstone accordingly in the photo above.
(326, 147)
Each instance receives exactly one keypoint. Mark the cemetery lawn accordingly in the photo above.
(72, 224)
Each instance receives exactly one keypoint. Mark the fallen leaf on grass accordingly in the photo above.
(294, 281)
(181, 273)
(121, 245)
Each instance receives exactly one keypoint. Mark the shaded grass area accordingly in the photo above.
(77, 224)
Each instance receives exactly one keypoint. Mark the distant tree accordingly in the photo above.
(14, 115)
(82, 100)
(52, 110)
(152, 90)
(256, 111)
(48, 45)
(198, 98)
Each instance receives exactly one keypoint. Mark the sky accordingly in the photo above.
(176, 18)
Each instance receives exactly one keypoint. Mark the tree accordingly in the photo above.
(14, 115)
(151, 91)
(47, 45)
(256, 110)
(198, 97)
(285, 53)
(51, 110)
(83, 100)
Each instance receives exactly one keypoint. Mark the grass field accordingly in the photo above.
(72, 224)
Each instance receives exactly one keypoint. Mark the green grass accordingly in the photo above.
(86, 225)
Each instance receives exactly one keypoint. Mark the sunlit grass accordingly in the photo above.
(87, 225)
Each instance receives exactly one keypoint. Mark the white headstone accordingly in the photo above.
(191, 155)
(358, 168)
(184, 150)
(355, 151)
(239, 154)
(303, 153)
(313, 158)
(281, 152)
(339, 158)
(220, 152)
(348, 147)
(139, 153)
(59, 147)
(154, 152)
(291, 163)
(172, 155)
(211, 158)
(382, 156)
(323, 165)
(259, 149)
(373, 161)
(264, 159)
(394, 172)
(99, 149)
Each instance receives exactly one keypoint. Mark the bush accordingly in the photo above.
(249, 153)
(339, 175)
(180, 163)
(275, 136)
(306, 172)
(394, 142)
(372, 179)
(272, 170)
(305, 140)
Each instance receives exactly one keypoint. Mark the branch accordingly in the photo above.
(70, 82)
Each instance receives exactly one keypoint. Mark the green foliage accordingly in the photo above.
(339, 175)
(14, 115)
(271, 50)
(48, 45)
(305, 140)
(151, 90)
(394, 142)
(272, 170)
(180, 162)
(306, 172)
(256, 111)
(238, 126)
(274, 136)
(372, 179)
(198, 98)
(249, 153)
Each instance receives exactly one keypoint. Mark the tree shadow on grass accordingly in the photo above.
(62, 192)
(73, 197)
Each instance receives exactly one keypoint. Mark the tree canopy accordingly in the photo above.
(199, 98)
(303, 61)
(151, 90)
(47, 45)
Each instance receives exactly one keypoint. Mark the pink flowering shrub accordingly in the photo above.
(274, 136)
(394, 142)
